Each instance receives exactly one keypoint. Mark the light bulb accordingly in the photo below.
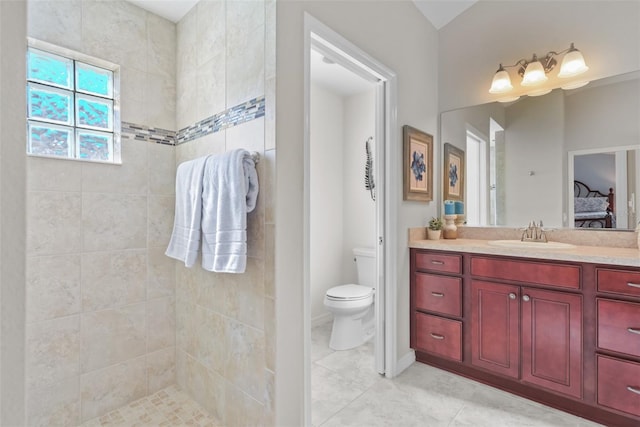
(572, 63)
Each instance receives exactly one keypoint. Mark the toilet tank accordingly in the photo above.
(366, 265)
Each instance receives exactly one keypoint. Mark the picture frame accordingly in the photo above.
(453, 168)
(418, 164)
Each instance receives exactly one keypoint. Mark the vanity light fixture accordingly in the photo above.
(534, 71)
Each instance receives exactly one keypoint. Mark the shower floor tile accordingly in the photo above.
(168, 407)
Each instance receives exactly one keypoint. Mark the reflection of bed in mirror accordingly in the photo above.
(592, 208)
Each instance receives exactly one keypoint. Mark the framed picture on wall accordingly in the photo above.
(418, 164)
(453, 170)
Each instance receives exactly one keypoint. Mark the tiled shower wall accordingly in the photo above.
(225, 322)
(100, 292)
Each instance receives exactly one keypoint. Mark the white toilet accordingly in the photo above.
(352, 305)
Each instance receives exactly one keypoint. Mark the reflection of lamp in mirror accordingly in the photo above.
(534, 72)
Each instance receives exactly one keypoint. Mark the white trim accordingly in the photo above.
(319, 34)
(405, 361)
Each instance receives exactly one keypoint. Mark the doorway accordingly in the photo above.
(333, 48)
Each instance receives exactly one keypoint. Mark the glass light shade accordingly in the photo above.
(501, 82)
(534, 74)
(572, 64)
(575, 85)
(508, 99)
(539, 92)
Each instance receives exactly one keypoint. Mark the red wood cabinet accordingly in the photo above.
(528, 333)
(566, 334)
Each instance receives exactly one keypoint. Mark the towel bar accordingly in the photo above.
(255, 156)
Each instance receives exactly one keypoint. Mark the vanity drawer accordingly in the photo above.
(619, 326)
(619, 385)
(440, 294)
(549, 274)
(619, 282)
(439, 262)
(439, 336)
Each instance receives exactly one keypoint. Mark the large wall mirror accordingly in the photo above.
(568, 158)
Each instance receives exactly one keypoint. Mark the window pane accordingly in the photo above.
(48, 68)
(94, 80)
(95, 113)
(95, 145)
(50, 140)
(50, 104)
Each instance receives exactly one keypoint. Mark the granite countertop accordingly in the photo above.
(593, 254)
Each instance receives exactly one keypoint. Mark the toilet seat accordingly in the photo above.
(349, 292)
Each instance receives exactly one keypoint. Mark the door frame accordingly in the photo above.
(386, 166)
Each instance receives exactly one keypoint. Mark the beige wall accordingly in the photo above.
(100, 292)
(397, 35)
(225, 322)
(491, 32)
(12, 211)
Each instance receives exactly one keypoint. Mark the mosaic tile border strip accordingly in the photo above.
(233, 116)
(137, 132)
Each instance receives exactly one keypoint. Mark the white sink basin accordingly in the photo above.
(530, 245)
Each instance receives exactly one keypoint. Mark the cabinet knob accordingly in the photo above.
(512, 296)
(436, 262)
(634, 330)
(437, 294)
(437, 336)
(525, 298)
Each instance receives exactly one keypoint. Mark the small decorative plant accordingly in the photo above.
(435, 223)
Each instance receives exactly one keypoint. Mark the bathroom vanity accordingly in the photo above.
(561, 327)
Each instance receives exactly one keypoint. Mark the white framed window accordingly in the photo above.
(72, 105)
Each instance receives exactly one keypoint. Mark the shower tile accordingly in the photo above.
(132, 85)
(211, 86)
(161, 274)
(161, 369)
(159, 101)
(114, 221)
(53, 287)
(161, 323)
(112, 336)
(161, 210)
(248, 135)
(55, 405)
(185, 327)
(270, 39)
(162, 169)
(244, 295)
(244, 16)
(245, 410)
(188, 282)
(58, 22)
(211, 293)
(245, 63)
(161, 46)
(270, 333)
(245, 358)
(209, 331)
(130, 177)
(53, 175)
(210, 30)
(269, 398)
(107, 389)
(53, 351)
(269, 261)
(132, 111)
(113, 279)
(270, 114)
(207, 388)
(52, 223)
(126, 26)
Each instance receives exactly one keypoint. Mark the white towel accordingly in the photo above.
(229, 192)
(185, 239)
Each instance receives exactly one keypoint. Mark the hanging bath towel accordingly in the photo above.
(229, 192)
(185, 238)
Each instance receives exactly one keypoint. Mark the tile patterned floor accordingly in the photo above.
(168, 407)
(346, 391)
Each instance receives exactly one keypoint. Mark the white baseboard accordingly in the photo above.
(404, 362)
(323, 318)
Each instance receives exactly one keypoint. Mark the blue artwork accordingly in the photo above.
(453, 175)
(417, 165)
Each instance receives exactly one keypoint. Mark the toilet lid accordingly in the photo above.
(350, 292)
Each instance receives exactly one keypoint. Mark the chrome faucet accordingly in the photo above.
(534, 233)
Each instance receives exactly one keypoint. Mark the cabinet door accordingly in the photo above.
(495, 327)
(552, 340)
